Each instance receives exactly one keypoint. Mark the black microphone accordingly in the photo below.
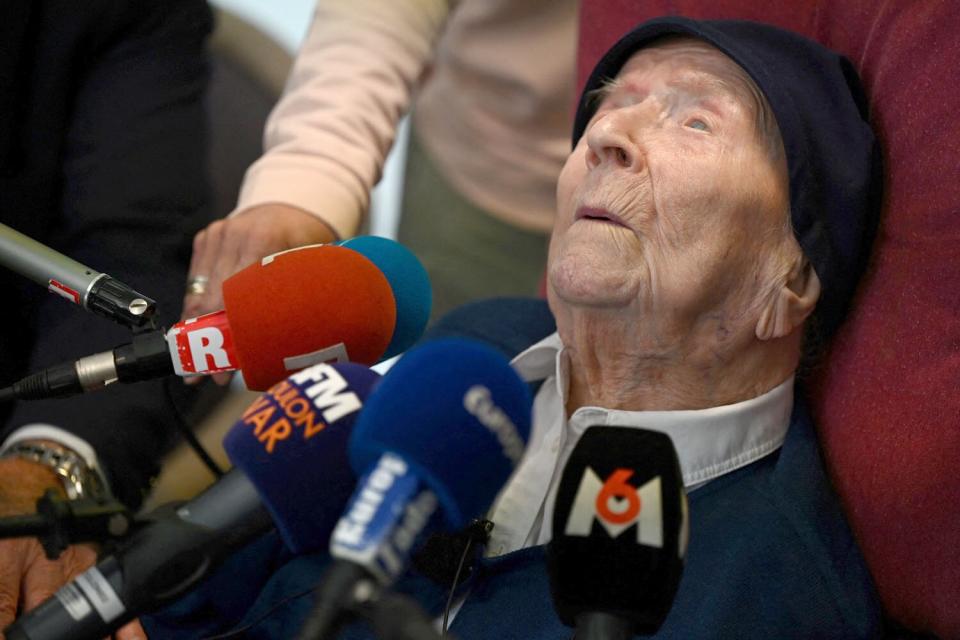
(79, 284)
(60, 522)
(620, 530)
(159, 562)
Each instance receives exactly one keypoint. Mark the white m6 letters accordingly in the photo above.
(617, 506)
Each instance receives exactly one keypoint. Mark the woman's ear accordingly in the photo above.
(791, 303)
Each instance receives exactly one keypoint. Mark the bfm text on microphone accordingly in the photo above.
(438, 438)
(294, 436)
(367, 300)
(620, 530)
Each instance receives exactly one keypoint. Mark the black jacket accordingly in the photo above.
(102, 157)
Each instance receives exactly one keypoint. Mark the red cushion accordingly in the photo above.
(888, 400)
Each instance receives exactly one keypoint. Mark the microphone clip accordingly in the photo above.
(479, 531)
(113, 299)
(444, 557)
(60, 522)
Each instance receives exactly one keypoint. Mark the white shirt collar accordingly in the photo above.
(709, 442)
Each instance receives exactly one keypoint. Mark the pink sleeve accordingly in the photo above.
(352, 80)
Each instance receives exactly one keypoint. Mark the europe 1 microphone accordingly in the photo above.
(367, 300)
(620, 531)
(437, 439)
(295, 435)
(74, 281)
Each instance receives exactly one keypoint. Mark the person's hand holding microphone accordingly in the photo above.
(27, 575)
(227, 246)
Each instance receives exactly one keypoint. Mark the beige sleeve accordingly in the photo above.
(326, 140)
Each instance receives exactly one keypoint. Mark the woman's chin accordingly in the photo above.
(584, 283)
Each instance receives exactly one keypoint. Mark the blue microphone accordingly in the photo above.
(291, 446)
(436, 441)
(409, 282)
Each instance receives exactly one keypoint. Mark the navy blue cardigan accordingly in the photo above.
(770, 553)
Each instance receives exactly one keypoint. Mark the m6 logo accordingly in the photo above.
(617, 505)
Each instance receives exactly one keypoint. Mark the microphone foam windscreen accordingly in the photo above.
(458, 414)
(292, 445)
(308, 305)
(619, 528)
(409, 282)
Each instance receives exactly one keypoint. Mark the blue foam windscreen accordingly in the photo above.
(410, 284)
(292, 445)
(458, 414)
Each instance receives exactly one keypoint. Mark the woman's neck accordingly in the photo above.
(616, 365)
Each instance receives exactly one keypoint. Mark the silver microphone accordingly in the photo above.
(78, 283)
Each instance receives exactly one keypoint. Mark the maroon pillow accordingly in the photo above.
(888, 398)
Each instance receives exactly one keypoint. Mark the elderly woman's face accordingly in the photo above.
(670, 204)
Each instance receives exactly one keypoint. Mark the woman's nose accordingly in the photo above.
(610, 141)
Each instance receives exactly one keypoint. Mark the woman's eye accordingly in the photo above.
(698, 124)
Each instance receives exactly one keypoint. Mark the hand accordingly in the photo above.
(130, 631)
(229, 245)
(27, 577)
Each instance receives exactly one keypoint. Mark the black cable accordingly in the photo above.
(395, 616)
(188, 434)
(240, 630)
(8, 394)
(477, 532)
(453, 587)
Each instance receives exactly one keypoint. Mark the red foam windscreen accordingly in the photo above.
(295, 308)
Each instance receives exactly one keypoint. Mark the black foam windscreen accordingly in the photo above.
(619, 528)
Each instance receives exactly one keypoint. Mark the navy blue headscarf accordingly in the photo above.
(833, 159)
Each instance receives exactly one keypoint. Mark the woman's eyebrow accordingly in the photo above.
(608, 88)
(707, 91)
(700, 88)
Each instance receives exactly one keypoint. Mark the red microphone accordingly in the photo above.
(286, 312)
(298, 308)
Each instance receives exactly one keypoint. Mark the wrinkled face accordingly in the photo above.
(671, 206)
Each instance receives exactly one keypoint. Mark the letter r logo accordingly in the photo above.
(204, 343)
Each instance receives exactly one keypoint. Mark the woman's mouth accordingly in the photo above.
(597, 214)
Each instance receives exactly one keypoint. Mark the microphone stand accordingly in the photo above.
(60, 522)
(597, 625)
(346, 592)
(397, 617)
(349, 593)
